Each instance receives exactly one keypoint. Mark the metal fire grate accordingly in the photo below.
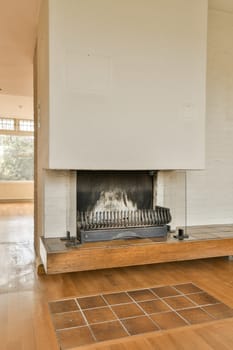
(123, 219)
(111, 225)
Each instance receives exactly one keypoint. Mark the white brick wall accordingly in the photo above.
(59, 203)
(171, 194)
(210, 192)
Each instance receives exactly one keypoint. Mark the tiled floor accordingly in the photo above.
(86, 320)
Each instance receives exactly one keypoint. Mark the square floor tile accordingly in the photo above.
(179, 302)
(68, 320)
(91, 302)
(63, 306)
(91, 319)
(117, 298)
(166, 291)
(188, 288)
(219, 311)
(101, 314)
(73, 337)
(168, 320)
(154, 306)
(127, 310)
(203, 298)
(108, 330)
(138, 325)
(141, 295)
(196, 315)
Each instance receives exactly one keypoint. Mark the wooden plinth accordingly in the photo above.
(204, 242)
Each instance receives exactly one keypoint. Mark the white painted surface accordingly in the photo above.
(16, 106)
(210, 192)
(127, 84)
(42, 89)
(171, 193)
(59, 205)
(41, 78)
(43, 254)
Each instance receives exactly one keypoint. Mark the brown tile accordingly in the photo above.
(127, 310)
(73, 337)
(101, 314)
(196, 315)
(63, 306)
(117, 298)
(154, 306)
(138, 325)
(166, 291)
(91, 302)
(141, 295)
(219, 311)
(179, 302)
(68, 319)
(203, 298)
(108, 330)
(188, 288)
(167, 320)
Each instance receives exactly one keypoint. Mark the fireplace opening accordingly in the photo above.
(101, 191)
(119, 205)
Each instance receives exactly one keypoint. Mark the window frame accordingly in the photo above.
(17, 130)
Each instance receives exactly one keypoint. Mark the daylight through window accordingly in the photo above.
(16, 149)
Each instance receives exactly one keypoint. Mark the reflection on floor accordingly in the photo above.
(16, 222)
(25, 318)
(86, 320)
(16, 246)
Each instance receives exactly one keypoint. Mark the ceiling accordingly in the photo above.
(18, 21)
(223, 5)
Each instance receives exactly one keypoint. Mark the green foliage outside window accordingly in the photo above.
(16, 158)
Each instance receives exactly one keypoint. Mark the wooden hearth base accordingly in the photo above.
(204, 242)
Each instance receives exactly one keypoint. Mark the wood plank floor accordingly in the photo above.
(25, 322)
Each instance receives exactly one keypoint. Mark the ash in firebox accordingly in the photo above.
(114, 200)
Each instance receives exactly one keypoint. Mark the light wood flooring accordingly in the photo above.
(25, 322)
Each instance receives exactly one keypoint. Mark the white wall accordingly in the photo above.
(41, 90)
(41, 79)
(210, 192)
(16, 106)
(171, 193)
(127, 84)
(59, 210)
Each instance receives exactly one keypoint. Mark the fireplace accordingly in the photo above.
(115, 205)
(99, 219)
(79, 202)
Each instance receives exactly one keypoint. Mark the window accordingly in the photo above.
(14, 125)
(26, 125)
(16, 158)
(16, 149)
(7, 124)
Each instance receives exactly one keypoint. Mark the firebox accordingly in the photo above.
(115, 205)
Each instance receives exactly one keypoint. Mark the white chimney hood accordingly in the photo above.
(122, 84)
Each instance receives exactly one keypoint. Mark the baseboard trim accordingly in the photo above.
(17, 200)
